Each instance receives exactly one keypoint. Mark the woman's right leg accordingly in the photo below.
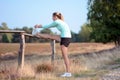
(49, 36)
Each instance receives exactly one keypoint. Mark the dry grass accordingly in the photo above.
(41, 48)
(86, 61)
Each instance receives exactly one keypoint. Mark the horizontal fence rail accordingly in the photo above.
(22, 46)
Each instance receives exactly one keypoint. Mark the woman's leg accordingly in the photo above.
(49, 36)
(65, 56)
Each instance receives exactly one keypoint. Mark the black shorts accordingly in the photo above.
(65, 41)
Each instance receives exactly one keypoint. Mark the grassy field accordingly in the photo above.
(88, 61)
(41, 48)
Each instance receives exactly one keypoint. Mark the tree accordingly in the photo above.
(104, 17)
(6, 37)
(75, 37)
(29, 31)
(16, 36)
(0, 34)
(46, 31)
(84, 34)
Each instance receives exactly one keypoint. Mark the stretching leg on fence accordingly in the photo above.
(49, 36)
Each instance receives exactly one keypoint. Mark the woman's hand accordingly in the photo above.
(38, 26)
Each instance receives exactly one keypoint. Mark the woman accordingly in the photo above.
(64, 38)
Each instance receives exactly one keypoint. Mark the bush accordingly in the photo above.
(44, 68)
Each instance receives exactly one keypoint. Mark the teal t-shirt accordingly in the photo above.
(61, 26)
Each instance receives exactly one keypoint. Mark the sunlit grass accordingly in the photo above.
(46, 48)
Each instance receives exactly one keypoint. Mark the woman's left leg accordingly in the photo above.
(66, 60)
(65, 57)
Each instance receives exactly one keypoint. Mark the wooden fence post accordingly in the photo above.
(53, 51)
(22, 46)
(21, 51)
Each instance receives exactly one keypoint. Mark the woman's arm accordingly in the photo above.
(53, 24)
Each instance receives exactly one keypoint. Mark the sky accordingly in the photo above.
(20, 13)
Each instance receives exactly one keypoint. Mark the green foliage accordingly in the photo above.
(45, 31)
(6, 37)
(48, 31)
(84, 34)
(16, 36)
(104, 18)
(75, 37)
(27, 29)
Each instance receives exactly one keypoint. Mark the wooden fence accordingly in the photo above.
(22, 46)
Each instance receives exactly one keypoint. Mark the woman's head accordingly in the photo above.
(57, 15)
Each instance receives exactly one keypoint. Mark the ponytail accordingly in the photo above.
(59, 15)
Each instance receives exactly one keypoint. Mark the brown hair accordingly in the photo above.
(58, 15)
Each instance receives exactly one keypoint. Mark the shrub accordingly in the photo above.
(44, 68)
